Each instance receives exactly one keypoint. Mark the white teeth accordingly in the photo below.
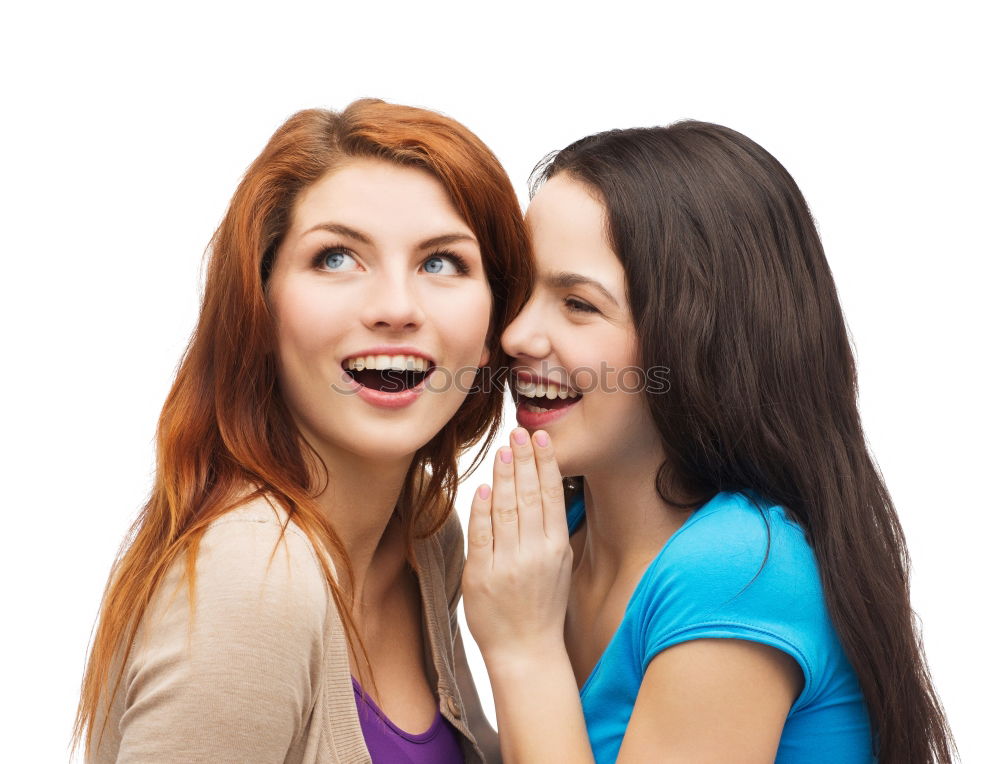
(383, 362)
(526, 389)
(543, 390)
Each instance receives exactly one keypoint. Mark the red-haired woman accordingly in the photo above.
(288, 591)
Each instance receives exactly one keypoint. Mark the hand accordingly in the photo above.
(517, 575)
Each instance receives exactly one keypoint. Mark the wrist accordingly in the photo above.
(525, 659)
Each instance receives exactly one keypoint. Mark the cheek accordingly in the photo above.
(307, 324)
(599, 359)
(612, 383)
(464, 323)
(627, 411)
(465, 320)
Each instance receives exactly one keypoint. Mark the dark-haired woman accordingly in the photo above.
(732, 581)
(289, 591)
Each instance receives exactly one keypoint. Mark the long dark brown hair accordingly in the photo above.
(729, 287)
(225, 425)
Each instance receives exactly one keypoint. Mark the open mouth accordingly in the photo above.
(538, 397)
(395, 377)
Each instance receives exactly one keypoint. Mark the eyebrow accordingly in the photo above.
(434, 241)
(343, 230)
(567, 280)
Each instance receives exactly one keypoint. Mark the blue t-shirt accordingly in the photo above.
(708, 581)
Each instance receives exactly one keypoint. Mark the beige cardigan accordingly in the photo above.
(263, 674)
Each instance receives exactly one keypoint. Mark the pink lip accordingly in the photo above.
(527, 376)
(536, 420)
(381, 399)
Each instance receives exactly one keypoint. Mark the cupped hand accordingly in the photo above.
(517, 575)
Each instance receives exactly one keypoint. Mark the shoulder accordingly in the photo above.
(734, 540)
(743, 569)
(737, 568)
(227, 661)
(251, 566)
(260, 541)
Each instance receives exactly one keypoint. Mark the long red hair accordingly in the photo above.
(225, 426)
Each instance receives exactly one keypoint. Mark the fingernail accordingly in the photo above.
(542, 438)
(484, 491)
(506, 455)
(520, 436)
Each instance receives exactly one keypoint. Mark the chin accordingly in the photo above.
(574, 461)
(568, 466)
(391, 448)
(391, 442)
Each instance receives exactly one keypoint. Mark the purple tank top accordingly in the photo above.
(388, 744)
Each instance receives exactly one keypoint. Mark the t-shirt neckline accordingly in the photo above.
(576, 511)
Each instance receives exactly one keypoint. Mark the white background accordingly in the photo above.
(126, 128)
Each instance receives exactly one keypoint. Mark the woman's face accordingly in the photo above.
(382, 307)
(576, 334)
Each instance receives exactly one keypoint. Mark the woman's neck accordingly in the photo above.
(627, 521)
(358, 500)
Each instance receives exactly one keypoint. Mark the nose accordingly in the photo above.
(392, 303)
(526, 335)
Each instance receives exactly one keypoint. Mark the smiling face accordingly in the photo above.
(577, 331)
(377, 270)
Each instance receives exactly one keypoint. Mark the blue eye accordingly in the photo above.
(334, 259)
(438, 264)
(337, 259)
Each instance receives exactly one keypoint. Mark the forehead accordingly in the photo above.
(376, 195)
(567, 223)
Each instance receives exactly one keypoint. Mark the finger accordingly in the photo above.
(526, 487)
(551, 487)
(504, 505)
(481, 529)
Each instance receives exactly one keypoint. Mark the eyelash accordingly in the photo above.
(457, 260)
(579, 307)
